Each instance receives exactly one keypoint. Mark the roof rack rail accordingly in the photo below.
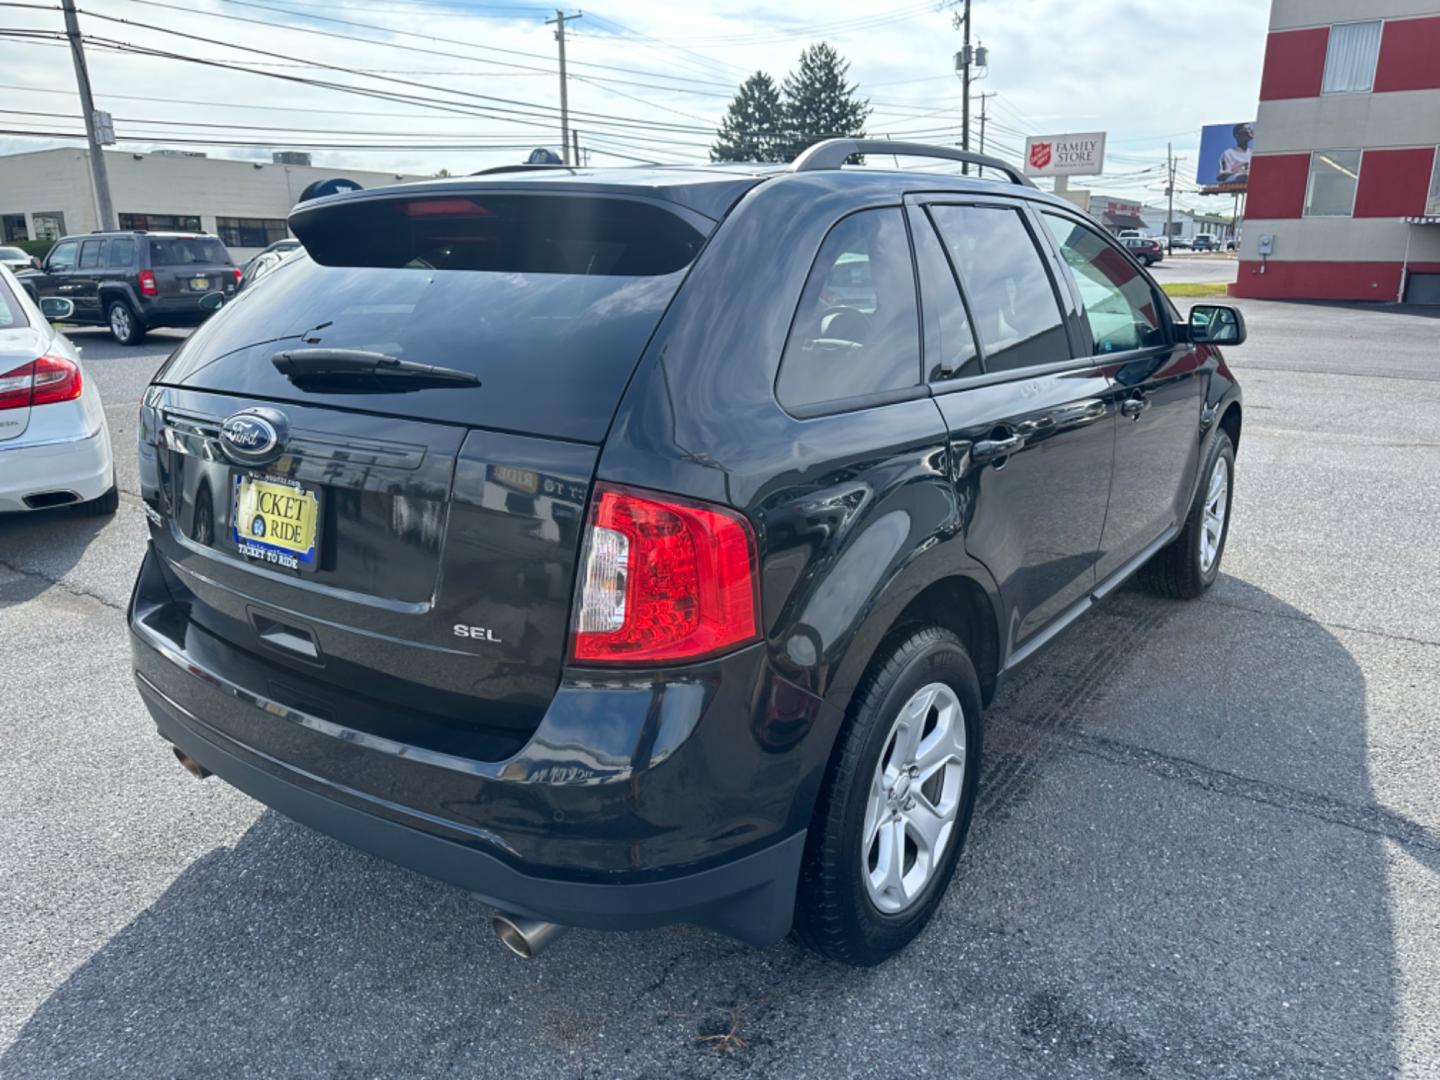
(832, 153)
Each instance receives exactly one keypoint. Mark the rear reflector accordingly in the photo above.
(664, 580)
(40, 382)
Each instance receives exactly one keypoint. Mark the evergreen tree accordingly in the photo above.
(818, 103)
(751, 130)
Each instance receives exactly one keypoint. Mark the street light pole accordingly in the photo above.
(105, 209)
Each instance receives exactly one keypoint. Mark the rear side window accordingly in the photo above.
(187, 251)
(510, 234)
(857, 330)
(1119, 303)
(1011, 297)
(92, 254)
(949, 344)
(11, 314)
(122, 253)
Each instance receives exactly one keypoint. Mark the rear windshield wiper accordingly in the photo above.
(358, 370)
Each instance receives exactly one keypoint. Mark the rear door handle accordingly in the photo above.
(990, 449)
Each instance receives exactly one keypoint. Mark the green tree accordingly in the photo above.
(819, 103)
(751, 130)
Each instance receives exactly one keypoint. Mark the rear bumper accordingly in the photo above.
(750, 898)
(636, 803)
(80, 466)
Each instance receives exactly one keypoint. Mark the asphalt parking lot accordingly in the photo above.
(1208, 839)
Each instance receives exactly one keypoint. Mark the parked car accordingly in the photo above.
(15, 259)
(261, 264)
(1205, 242)
(1145, 248)
(1126, 234)
(639, 576)
(54, 442)
(1179, 243)
(134, 282)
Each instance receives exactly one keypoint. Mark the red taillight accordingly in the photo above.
(147, 283)
(40, 382)
(239, 273)
(664, 580)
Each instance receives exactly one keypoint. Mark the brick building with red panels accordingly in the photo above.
(1344, 199)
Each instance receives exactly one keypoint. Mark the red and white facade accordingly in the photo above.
(1347, 135)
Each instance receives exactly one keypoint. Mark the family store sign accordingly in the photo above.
(1065, 155)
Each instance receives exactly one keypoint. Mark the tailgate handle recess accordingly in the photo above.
(291, 639)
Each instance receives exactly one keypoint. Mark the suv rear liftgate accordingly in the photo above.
(367, 495)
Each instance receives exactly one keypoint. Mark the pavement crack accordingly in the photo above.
(1298, 617)
(62, 585)
(1375, 820)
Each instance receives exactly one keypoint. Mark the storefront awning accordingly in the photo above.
(1122, 221)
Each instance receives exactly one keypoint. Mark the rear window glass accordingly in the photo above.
(187, 251)
(517, 234)
(11, 314)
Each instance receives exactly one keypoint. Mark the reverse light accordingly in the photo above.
(40, 382)
(663, 580)
(147, 283)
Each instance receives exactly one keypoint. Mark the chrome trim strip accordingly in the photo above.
(23, 445)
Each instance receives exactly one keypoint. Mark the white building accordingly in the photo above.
(46, 194)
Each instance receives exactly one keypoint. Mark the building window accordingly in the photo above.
(1330, 191)
(49, 226)
(1432, 204)
(161, 222)
(1350, 58)
(250, 232)
(12, 228)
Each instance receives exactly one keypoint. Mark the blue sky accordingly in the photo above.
(650, 80)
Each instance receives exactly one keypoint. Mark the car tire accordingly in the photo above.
(125, 325)
(1190, 563)
(848, 908)
(105, 505)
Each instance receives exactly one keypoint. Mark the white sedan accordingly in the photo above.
(54, 443)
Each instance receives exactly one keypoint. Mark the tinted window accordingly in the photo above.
(514, 234)
(161, 222)
(122, 253)
(857, 329)
(1011, 297)
(250, 232)
(949, 345)
(63, 257)
(187, 251)
(1119, 303)
(92, 254)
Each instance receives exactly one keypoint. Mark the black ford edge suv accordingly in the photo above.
(642, 546)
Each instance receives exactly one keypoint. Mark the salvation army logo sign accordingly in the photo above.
(1080, 154)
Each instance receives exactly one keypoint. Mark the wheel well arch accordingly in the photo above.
(962, 606)
(1230, 423)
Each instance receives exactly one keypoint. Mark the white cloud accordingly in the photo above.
(1144, 72)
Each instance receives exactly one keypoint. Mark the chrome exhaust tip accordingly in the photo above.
(526, 938)
(193, 767)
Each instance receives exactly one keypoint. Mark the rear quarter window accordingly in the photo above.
(856, 332)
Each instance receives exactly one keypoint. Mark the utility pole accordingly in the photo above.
(575, 145)
(559, 23)
(1170, 197)
(982, 117)
(104, 207)
(965, 87)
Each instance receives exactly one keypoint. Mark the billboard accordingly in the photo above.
(1225, 157)
(1081, 154)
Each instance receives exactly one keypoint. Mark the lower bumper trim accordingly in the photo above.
(751, 898)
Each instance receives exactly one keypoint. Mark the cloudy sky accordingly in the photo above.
(431, 84)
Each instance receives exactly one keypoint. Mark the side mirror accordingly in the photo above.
(1216, 324)
(57, 308)
(213, 301)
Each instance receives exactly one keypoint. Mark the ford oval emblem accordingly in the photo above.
(254, 436)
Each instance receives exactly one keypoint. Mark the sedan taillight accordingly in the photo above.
(665, 580)
(40, 382)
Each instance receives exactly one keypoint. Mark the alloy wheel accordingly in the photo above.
(1217, 503)
(914, 799)
(120, 322)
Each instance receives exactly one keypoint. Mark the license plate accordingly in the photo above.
(199, 283)
(276, 521)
